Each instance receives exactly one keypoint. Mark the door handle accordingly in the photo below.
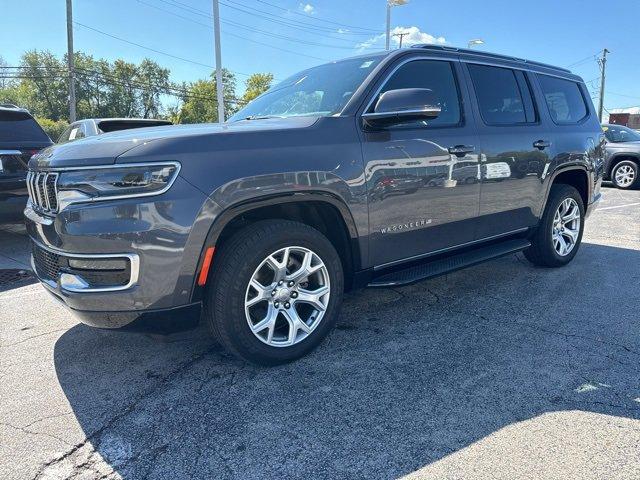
(541, 144)
(461, 150)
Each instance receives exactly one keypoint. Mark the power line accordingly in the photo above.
(586, 59)
(254, 29)
(316, 18)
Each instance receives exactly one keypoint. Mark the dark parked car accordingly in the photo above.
(96, 126)
(261, 224)
(20, 137)
(622, 156)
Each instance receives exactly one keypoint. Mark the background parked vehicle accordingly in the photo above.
(622, 160)
(96, 126)
(20, 138)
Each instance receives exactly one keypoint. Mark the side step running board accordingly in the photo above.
(441, 266)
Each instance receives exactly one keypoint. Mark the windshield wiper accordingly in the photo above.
(262, 117)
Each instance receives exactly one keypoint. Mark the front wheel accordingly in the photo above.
(559, 233)
(275, 292)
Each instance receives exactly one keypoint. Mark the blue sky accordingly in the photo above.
(284, 36)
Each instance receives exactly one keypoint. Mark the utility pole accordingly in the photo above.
(216, 34)
(401, 35)
(70, 64)
(603, 63)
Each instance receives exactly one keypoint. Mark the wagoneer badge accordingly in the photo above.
(406, 226)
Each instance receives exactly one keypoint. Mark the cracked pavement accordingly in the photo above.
(502, 370)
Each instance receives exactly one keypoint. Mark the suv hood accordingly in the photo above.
(104, 149)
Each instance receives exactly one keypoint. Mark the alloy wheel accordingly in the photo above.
(624, 176)
(287, 296)
(566, 227)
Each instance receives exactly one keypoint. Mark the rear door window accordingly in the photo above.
(503, 94)
(564, 99)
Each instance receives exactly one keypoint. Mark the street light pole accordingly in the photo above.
(216, 34)
(71, 64)
(388, 26)
(391, 3)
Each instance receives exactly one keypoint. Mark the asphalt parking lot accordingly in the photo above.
(499, 371)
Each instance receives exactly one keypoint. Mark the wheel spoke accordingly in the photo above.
(263, 293)
(268, 321)
(563, 245)
(574, 214)
(313, 297)
(572, 234)
(305, 269)
(279, 267)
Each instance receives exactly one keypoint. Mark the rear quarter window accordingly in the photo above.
(564, 100)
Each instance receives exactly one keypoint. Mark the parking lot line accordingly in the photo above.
(620, 206)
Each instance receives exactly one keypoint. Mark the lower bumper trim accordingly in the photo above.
(159, 321)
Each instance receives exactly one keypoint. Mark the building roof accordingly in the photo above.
(631, 110)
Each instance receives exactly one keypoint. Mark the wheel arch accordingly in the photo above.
(318, 209)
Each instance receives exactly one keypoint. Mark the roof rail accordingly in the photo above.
(480, 53)
(8, 105)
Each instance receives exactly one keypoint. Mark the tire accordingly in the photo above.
(246, 256)
(544, 244)
(625, 174)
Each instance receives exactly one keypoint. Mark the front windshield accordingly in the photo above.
(619, 134)
(319, 91)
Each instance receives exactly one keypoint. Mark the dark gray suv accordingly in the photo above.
(377, 171)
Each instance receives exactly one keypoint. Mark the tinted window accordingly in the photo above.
(438, 77)
(618, 134)
(499, 95)
(564, 99)
(20, 127)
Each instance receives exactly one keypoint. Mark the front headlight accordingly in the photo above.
(108, 183)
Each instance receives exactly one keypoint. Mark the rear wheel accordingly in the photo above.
(559, 234)
(625, 174)
(275, 291)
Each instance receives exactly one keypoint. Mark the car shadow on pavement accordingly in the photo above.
(410, 376)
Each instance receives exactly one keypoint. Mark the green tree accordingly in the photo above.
(256, 85)
(200, 101)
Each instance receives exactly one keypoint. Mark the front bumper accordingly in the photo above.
(158, 239)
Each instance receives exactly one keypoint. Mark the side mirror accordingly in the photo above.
(403, 105)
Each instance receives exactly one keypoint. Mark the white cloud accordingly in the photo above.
(414, 35)
(343, 30)
(307, 8)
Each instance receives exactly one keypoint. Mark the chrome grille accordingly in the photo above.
(42, 191)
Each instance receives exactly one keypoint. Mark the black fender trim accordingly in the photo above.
(233, 211)
(563, 169)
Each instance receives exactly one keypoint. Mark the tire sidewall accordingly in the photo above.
(228, 296)
(621, 163)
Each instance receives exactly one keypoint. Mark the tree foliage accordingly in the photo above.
(117, 89)
(256, 85)
(200, 103)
